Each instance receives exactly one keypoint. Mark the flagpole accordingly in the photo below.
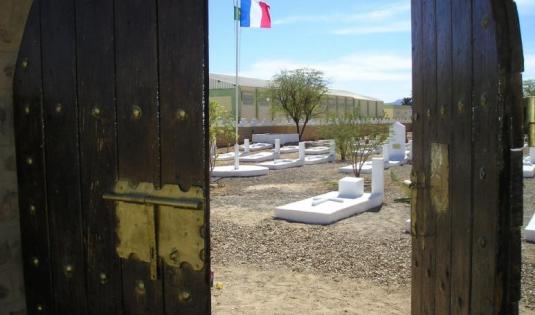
(237, 85)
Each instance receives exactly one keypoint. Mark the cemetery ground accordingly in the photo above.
(360, 265)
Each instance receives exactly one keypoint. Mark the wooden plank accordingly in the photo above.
(418, 109)
(429, 63)
(487, 156)
(183, 60)
(62, 155)
(461, 181)
(31, 176)
(183, 71)
(442, 134)
(138, 130)
(96, 101)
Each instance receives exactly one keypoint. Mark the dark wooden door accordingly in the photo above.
(467, 199)
(111, 128)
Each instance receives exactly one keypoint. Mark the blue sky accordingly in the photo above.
(361, 46)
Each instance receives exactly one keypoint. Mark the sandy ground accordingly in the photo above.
(360, 265)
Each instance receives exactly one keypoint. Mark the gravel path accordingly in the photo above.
(369, 246)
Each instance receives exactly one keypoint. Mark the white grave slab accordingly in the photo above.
(337, 205)
(257, 157)
(289, 149)
(396, 142)
(242, 171)
(270, 138)
(318, 159)
(226, 156)
(280, 164)
(317, 150)
(530, 230)
(528, 170)
(408, 226)
(258, 146)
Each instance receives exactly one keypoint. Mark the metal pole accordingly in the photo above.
(237, 83)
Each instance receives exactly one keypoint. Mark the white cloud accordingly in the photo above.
(386, 76)
(404, 26)
(391, 18)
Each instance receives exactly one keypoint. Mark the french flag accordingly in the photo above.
(255, 14)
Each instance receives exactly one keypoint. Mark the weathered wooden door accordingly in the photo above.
(111, 113)
(467, 209)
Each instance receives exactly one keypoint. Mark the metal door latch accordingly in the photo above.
(164, 224)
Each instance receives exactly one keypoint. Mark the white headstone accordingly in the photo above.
(532, 155)
(301, 151)
(386, 153)
(397, 142)
(350, 187)
(378, 176)
(246, 145)
(277, 148)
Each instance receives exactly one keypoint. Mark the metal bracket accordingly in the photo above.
(154, 224)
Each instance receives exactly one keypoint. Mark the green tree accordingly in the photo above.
(221, 126)
(406, 101)
(529, 87)
(298, 93)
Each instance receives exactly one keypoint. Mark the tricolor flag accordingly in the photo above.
(255, 13)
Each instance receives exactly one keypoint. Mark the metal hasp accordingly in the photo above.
(156, 225)
(530, 120)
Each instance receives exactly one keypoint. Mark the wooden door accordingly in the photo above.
(111, 130)
(467, 199)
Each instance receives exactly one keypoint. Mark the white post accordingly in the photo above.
(378, 180)
(410, 149)
(236, 156)
(332, 151)
(301, 151)
(386, 152)
(532, 155)
(276, 155)
(246, 145)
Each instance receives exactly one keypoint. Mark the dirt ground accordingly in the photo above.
(360, 265)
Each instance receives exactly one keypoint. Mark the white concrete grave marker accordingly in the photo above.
(396, 142)
(349, 200)
(246, 145)
(530, 230)
(277, 149)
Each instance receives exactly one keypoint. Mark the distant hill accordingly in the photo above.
(396, 102)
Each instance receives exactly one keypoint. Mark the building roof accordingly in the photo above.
(223, 81)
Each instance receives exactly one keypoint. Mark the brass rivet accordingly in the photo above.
(59, 107)
(103, 278)
(24, 63)
(140, 287)
(482, 173)
(460, 107)
(181, 115)
(482, 242)
(39, 307)
(174, 256)
(29, 161)
(485, 22)
(32, 209)
(96, 112)
(184, 296)
(68, 269)
(35, 261)
(136, 112)
(27, 109)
